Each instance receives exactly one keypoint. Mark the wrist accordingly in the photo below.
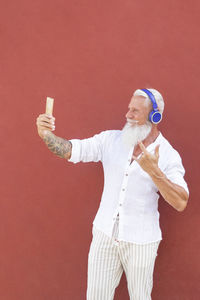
(44, 133)
(156, 173)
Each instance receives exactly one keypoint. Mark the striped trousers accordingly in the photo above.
(107, 260)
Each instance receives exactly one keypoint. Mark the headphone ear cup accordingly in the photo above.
(155, 117)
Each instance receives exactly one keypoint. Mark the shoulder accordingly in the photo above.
(109, 134)
(108, 139)
(167, 150)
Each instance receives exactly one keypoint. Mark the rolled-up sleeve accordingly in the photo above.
(90, 149)
(175, 172)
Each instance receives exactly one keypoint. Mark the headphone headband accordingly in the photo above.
(155, 115)
(152, 98)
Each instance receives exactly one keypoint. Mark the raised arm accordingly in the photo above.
(57, 145)
(174, 194)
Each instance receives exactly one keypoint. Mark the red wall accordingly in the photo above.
(90, 56)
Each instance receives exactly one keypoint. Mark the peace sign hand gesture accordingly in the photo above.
(147, 161)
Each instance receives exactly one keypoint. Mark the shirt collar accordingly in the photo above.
(155, 143)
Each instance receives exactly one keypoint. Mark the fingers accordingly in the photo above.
(47, 118)
(144, 150)
(134, 157)
(156, 152)
(142, 147)
(46, 125)
(45, 121)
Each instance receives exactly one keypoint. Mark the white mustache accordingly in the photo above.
(132, 121)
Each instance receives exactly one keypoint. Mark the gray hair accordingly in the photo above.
(157, 95)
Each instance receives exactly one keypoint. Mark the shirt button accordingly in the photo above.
(120, 204)
(123, 190)
(126, 174)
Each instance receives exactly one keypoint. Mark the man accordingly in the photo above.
(138, 163)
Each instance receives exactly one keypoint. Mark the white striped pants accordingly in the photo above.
(107, 260)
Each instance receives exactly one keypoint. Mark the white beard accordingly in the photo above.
(134, 133)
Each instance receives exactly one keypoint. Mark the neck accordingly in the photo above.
(152, 136)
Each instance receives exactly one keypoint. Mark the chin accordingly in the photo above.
(132, 133)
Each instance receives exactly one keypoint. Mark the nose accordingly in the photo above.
(129, 115)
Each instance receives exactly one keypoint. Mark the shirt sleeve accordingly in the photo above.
(90, 149)
(175, 171)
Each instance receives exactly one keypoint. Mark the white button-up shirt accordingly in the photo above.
(128, 190)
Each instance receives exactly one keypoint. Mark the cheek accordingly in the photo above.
(143, 118)
(147, 117)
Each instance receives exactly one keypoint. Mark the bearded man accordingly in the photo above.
(138, 162)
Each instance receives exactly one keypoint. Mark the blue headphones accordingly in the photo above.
(155, 116)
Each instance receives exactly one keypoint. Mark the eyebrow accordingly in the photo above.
(134, 108)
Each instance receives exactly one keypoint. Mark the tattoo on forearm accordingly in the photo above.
(58, 146)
